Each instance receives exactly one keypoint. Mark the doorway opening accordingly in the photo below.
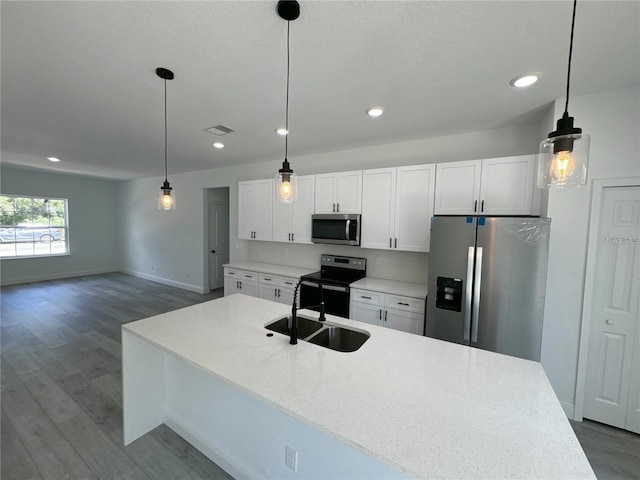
(216, 236)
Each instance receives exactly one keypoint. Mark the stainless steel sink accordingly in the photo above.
(324, 334)
(306, 326)
(339, 338)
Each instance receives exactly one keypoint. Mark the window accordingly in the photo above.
(33, 227)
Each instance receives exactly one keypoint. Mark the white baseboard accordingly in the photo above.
(216, 454)
(56, 276)
(568, 409)
(164, 281)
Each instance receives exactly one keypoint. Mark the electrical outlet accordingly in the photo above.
(291, 458)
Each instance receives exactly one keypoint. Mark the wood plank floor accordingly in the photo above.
(62, 382)
(62, 394)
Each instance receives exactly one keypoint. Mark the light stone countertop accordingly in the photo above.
(429, 408)
(414, 290)
(272, 269)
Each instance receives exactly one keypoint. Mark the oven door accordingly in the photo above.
(336, 298)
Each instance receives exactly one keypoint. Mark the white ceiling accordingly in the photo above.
(79, 83)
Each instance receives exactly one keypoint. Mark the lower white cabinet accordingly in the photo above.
(263, 285)
(277, 289)
(388, 310)
(240, 281)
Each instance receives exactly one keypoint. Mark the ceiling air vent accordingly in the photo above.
(219, 130)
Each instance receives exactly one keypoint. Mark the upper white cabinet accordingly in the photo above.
(255, 209)
(338, 192)
(292, 221)
(496, 186)
(397, 205)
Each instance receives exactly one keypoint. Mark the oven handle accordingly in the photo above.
(325, 287)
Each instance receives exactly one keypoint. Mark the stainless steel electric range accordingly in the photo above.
(331, 283)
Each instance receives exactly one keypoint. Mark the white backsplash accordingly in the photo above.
(390, 265)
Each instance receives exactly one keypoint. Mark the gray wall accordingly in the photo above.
(93, 233)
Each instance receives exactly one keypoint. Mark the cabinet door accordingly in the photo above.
(263, 196)
(230, 286)
(404, 321)
(245, 210)
(268, 292)
(414, 207)
(378, 208)
(457, 189)
(349, 192)
(325, 194)
(363, 312)
(249, 288)
(285, 295)
(282, 213)
(507, 185)
(300, 225)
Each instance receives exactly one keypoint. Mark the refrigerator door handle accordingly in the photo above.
(468, 294)
(476, 296)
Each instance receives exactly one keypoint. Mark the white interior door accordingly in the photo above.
(218, 243)
(613, 369)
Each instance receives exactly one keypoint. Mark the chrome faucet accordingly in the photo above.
(293, 329)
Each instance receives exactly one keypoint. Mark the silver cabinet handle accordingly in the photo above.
(288, 283)
(380, 316)
(232, 273)
(239, 285)
(468, 294)
(608, 321)
(364, 296)
(292, 237)
(475, 206)
(334, 208)
(402, 303)
(482, 206)
(338, 207)
(396, 244)
(278, 293)
(476, 296)
(267, 279)
(385, 315)
(389, 242)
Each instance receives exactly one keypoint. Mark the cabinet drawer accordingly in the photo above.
(366, 296)
(233, 273)
(408, 304)
(287, 282)
(248, 276)
(268, 279)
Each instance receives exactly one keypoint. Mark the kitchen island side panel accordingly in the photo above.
(247, 436)
(143, 386)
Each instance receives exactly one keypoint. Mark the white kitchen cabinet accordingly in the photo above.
(338, 192)
(240, 281)
(495, 186)
(277, 289)
(397, 206)
(255, 209)
(292, 221)
(388, 310)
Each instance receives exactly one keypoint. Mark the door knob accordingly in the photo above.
(608, 321)
(213, 251)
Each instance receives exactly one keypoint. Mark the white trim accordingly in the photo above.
(164, 281)
(568, 409)
(590, 276)
(56, 276)
(216, 454)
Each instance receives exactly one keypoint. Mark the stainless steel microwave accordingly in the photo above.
(337, 228)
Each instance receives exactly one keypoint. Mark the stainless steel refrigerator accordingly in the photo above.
(487, 279)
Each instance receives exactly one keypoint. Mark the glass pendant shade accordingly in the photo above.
(564, 156)
(286, 184)
(166, 197)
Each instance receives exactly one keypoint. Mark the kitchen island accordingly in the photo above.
(401, 406)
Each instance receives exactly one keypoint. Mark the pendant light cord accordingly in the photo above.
(286, 125)
(573, 21)
(165, 130)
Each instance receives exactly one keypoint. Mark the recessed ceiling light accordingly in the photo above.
(218, 145)
(375, 111)
(525, 80)
(282, 131)
(53, 159)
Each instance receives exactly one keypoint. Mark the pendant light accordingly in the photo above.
(287, 181)
(167, 196)
(564, 156)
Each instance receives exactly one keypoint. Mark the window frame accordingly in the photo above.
(65, 229)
